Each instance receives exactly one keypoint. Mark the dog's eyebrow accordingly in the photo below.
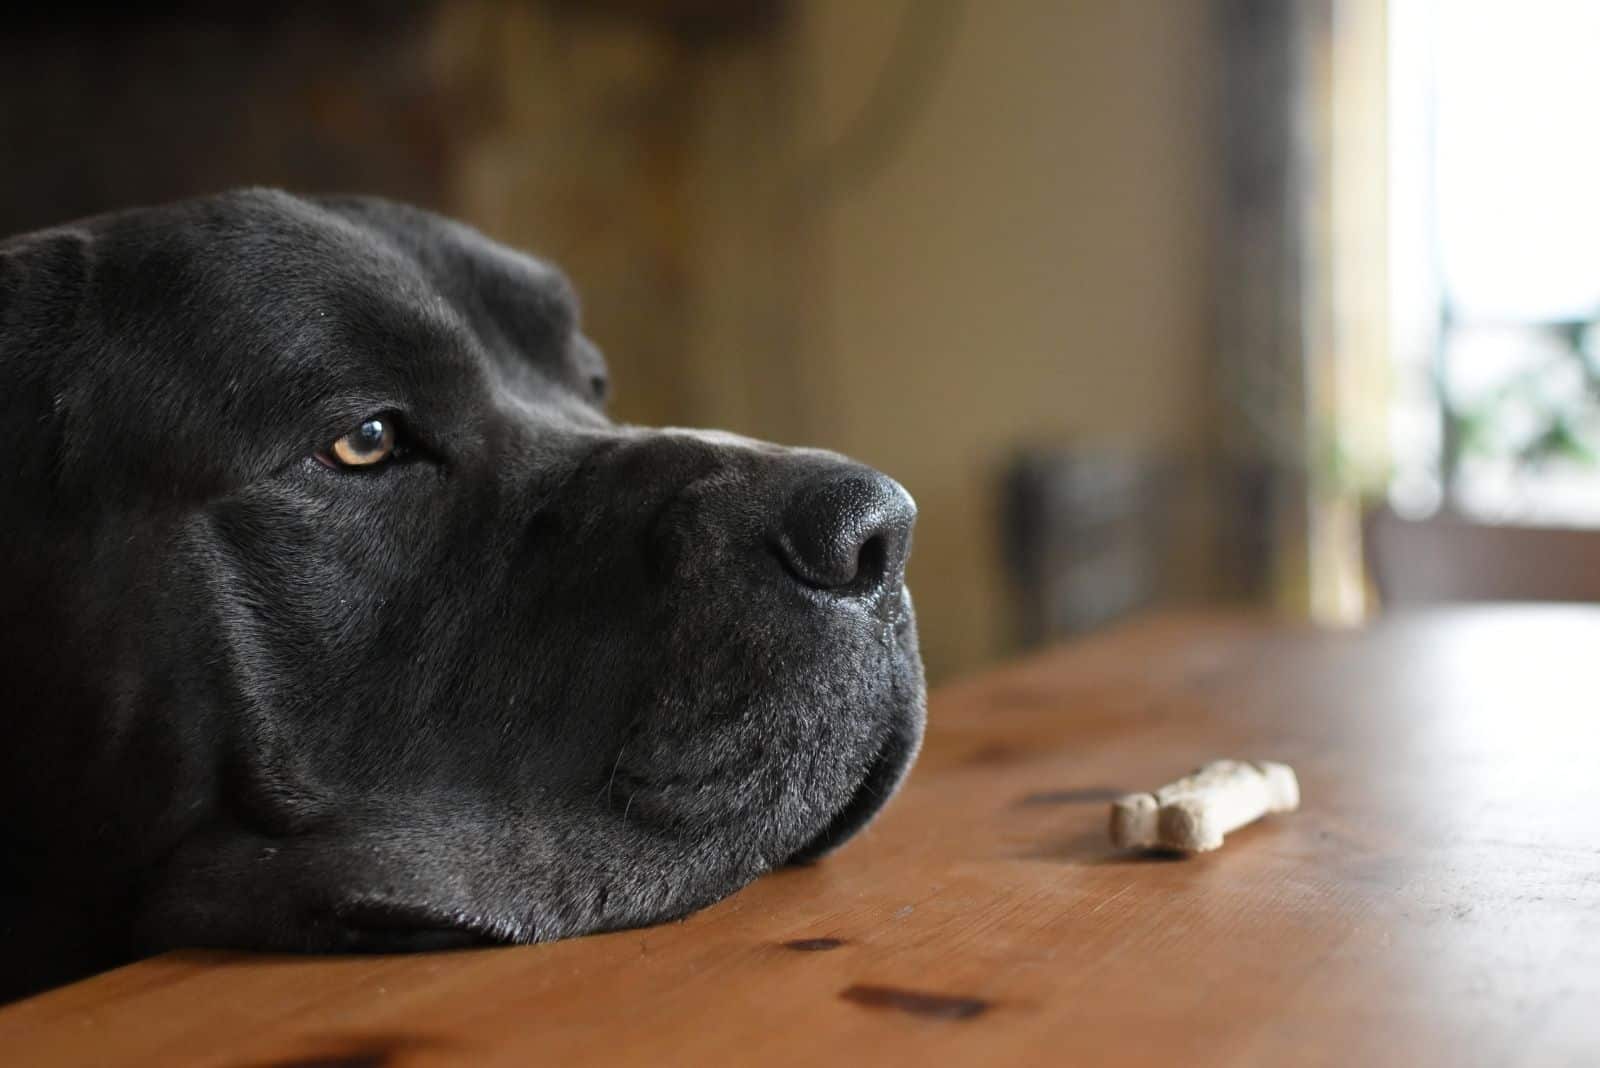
(555, 300)
(564, 296)
(515, 300)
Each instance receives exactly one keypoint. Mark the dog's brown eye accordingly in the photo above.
(370, 443)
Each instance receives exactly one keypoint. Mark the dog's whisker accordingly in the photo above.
(614, 766)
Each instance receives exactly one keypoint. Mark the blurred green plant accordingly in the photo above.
(1546, 414)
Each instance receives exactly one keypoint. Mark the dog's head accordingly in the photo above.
(334, 612)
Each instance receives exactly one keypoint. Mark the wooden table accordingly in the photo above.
(1436, 901)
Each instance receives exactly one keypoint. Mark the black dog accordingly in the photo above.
(335, 615)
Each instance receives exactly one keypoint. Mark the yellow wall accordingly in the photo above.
(1031, 265)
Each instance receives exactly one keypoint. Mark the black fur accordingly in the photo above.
(541, 675)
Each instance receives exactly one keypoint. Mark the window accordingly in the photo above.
(1495, 258)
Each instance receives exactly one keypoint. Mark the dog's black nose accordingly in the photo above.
(848, 531)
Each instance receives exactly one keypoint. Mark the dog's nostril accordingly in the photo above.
(848, 531)
(873, 560)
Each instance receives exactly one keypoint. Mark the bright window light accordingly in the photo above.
(1517, 157)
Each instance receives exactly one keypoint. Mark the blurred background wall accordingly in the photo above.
(1025, 262)
(1104, 283)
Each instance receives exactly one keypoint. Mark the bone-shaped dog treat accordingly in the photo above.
(1192, 814)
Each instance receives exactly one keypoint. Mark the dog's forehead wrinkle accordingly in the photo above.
(519, 305)
(370, 345)
(264, 312)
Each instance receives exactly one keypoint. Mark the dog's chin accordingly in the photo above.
(885, 772)
(883, 778)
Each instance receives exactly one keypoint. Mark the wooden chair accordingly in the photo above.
(1085, 533)
(1450, 559)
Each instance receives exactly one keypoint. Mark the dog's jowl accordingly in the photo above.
(336, 615)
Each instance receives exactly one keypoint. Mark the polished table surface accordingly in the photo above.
(1435, 901)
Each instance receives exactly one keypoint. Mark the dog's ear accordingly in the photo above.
(43, 279)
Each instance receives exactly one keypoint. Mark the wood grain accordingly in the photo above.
(1435, 901)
